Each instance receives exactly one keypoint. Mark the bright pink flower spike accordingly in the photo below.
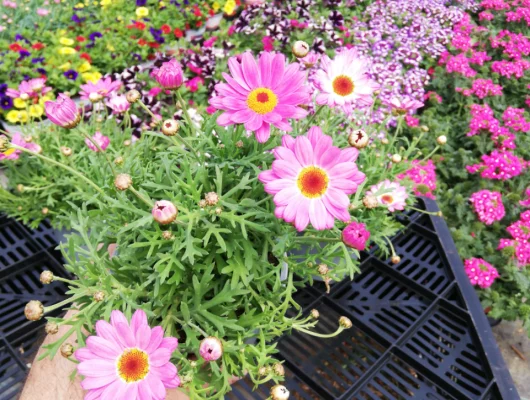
(127, 361)
(261, 94)
(311, 180)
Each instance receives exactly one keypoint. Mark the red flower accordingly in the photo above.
(198, 24)
(80, 38)
(211, 12)
(178, 33)
(77, 48)
(139, 25)
(15, 47)
(154, 45)
(142, 42)
(196, 11)
(38, 46)
(166, 29)
(430, 71)
(187, 25)
(85, 56)
(151, 57)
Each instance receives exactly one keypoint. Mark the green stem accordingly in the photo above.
(197, 328)
(64, 302)
(391, 246)
(432, 153)
(186, 114)
(435, 213)
(66, 167)
(87, 136)
(155, 118)
(320, 335)
(139, 195)
(398, 131)
(313, 117)
(188, 145)
(315, 239)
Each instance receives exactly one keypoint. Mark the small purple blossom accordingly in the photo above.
(71, 74)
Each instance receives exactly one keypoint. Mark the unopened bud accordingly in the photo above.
(94, 97)
(28, 139)
(46, 277)
(67, 151)
(34, 310)
(239, 144)
(279, 392)
(396, 158)
(122, 182)
(352, 206)
(170, 127)
(384, 141)
(99, 296)
(20, 188)
(24, 96)
(315, 314)
(202, 203)
(51, 328)
(118, 161)
(211, 198)
(167, 235)
(263, 371)
(323, 269)
(345, 322)
(127, 143)
(395, 259)
(441, 140)
(218, 210)
(45, 211)
(133, 96)
(278, 369)
(67, 350)
(439, 214)
(370, 202)
(300, 49)
(193, 364)
(4, 143)
(424, 128)
(164, 212)
(358, 139)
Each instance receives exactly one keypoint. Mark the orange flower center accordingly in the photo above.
(313, 182)
(262, 100)
(343, 85)
(133, 365)
(387, 199)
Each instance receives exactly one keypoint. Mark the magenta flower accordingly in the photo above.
(63, 112)
(13, 154)
(488, 206)
(127, 360)
(97, 91)
(355, 235)
(32, 88)
(261, 94)
(310, 60)
(404, 105)
(389, 194)
(211, 349)
(102, 141)
(169, 75)
(164, 212)
(344, 82)
(118, 104)
(480, 272)
(311, 180)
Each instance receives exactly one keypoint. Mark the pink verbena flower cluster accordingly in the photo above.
(520, 241)
(514, 118)
(488, 206)
(501, 165)
(514, 45)
(482, 88)
(480, 272)
(423, 174)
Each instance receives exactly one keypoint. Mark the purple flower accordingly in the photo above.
(76, 19)
(71, 74)
(23, 54)
(5, 102)
(37, 60)
(3, 87)
(94, 35)
(42, 71)
(141, 3)
(136, 56)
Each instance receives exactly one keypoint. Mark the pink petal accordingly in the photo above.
(138, 319)
(342, 170)
(303, 150)
(283, 153)
(277, 185)
(288, 141)
(250, 70)
(265, 67)
(314, 134)
(277, 68)
(243, 116)
(117, 317)
(263, 133)
(157, 387)
(114, 391)
(267, 176)
(172, 383)
(170, 343)
(166, 372)
(346, 185)
(329, 158)
(302, 216)
(95, 394)
(225, 119)
(289, 214)
(144, 392)
(84, 354)
(272, 117)
(143, 336)
(102, 347)
(338, 198)
(131, 392)
(348, 155)
(254, 123)
(284, 197)
(159, 357)
(125, 335)
(339, 213)
(322, 147)
(157, 334)
(237, 73)
(97, 382)
(317, 214)
(285, 169)
(106, 331)
(96, 367)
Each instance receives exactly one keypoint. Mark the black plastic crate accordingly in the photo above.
(24, 254)
(419, 331)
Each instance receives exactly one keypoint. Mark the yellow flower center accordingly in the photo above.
(133, 365)
(8, 152)
(313, 182)
(387, 199)
(343, 85)
(262, 100)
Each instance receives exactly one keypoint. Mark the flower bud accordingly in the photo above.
(211, 198)
(133, 96)
(439, 214)
(167, 235)
(67, 350)
(396, 158)
(20, 188)
(345, 322)
(218, 210)
(170, 127)
(202, 203)
(315, 314)
(239, 144)
(34, 310)
(99, 296)
(211, 349)
(384, 141)
(441, 140)
(395, 259)
(279, 392)
(424, 128)
(358, 139)
(51, 328)
(300, 49)
(193, 364)
(67, 151)
(323, 269)
(4, 143)
(46, 277)
(63, 112)
(45, 211)
(118, 161)
(127, 143)
(370, 202)
(164, 212)
(24, 96)
(278, 369)
(169, 75)
(263, 371)
(122, 182)
(94, 97)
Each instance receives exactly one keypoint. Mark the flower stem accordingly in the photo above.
(196, 327)
(391, 245)
(432, 153)
(313, 117)
(66, 167)
(435, 213)
(64, 302)
(188, 145)
(155, 119)
(398, 131)
(139, 195)
(186, 114)
(320, 335)
(87, 136)
(315, 239)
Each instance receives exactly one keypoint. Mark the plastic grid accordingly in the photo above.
(414, 335)
(24, 254)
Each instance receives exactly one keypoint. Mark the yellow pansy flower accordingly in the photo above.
(65, 67)
(19, 103)
(91, 76)
(84, 67)
(161, 4)
(66, 51)
(66, 42)
(142, 12)
(229, 7)
(12, 116)
(36, 110)
(80, 5)
(216, 6)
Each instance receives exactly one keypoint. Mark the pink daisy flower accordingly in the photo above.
(389, 194)
(311, 180)
(97, 91)
(261, 94)
(102, 140)
(127, 361)
(344, 81)
(404, 105)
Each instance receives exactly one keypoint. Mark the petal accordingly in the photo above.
(117, 317)
(343, 170)
(322, 147)
(131, 393)
(157, 334)
(255, 122)
(96, 368)
(348, 155)
(156, 386)
(277, 185)
(285, 196)
(143, 336)
(329, 158)
(138, 319)
(317, 214)
(314, 134)
(303, 151)
(144, 392)
(166, 372)
(237, 73)
(95, 394)
(288, 141)
(302, 216)
(346, 185)
(159, 357)
(289, 214)
(250, 70)
(170, 343)
(97, 382)
(243, 116)
(114, 391)
(277, 68)
(265, 67)
(225, 119)
(263, 133)
(125, 335)
(102, 347)
(84, 354)
(267, 176)
(106, 331)
(337, 198)
(285, 169)
(283, 153)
